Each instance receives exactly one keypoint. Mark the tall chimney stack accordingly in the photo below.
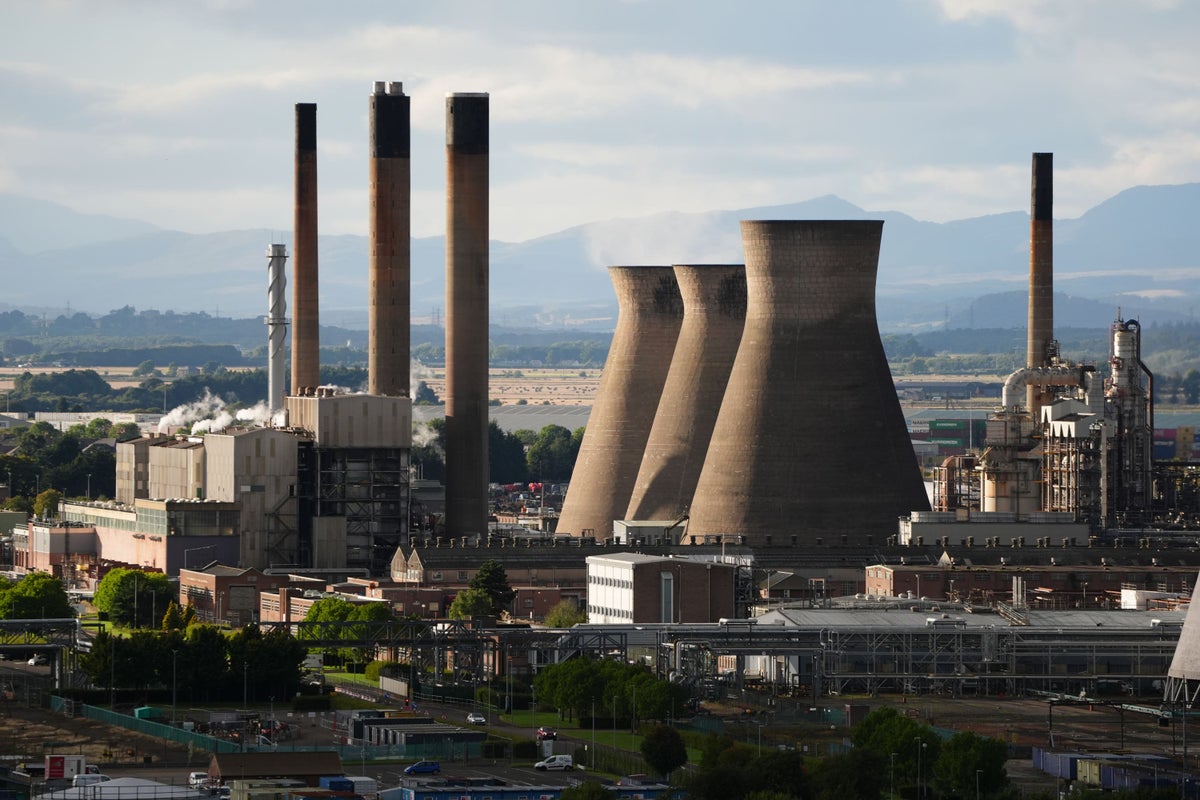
(276, 324)
(466, 313)
(306, 365)
(388, 357)
(1041, 273)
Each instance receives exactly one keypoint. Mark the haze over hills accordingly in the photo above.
(1139, 251)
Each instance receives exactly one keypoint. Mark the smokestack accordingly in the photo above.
(276, 324)
(388, 358)
(810, 440)
(1041, 273)
(466, 313)
(651, 313)
(714, 314)
(306, 338)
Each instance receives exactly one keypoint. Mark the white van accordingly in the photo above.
(556, 762)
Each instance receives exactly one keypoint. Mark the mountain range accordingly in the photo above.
(1138, 251)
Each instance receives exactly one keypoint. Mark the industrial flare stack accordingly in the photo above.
(390, 261)
(606, 469)
(810, 447)
(305, 314)
(714, 313)
(466, 313)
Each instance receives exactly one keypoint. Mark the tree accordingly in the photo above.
(565, 614)
(552, 455)
(859, 773)
(471, 603)
(664, 750)
(886, 730)
(146, 368)
(38, 595)
(45, 505)
(132, 596)
(966, 758)
(506, 456)
(425, 396)
(492, 579)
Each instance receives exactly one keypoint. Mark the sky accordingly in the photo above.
(181, 114)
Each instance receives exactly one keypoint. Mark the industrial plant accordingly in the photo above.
(747, 482)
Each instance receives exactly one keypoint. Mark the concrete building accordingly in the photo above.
(630, 588)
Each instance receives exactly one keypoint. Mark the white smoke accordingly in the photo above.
(220, 422)
(204, 408)
(209, 414)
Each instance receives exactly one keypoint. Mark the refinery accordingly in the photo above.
(747, 492)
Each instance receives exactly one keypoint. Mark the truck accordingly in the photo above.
(65, 766)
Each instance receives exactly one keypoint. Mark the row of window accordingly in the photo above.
(623, 613)
(619, 583)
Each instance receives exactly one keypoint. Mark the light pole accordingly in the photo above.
(174, 658)
(977, 772)
(892, 787)
(195, 550)
(89, 489)
(920, 782)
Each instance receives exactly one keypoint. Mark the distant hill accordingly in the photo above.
(1139, 251)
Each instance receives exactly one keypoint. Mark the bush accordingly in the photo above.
(372, 671)
(309, 702)
(494, 748)
(524, 748)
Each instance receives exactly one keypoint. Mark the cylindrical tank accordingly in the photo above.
(390, 259)
(651, 313)
(810, 441)
(466, 313)
(714, 313)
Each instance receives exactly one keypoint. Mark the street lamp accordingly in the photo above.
(892, 787)
(977, 773)
(89, 489)
(195, 550)
(174, 658)
(920, 783)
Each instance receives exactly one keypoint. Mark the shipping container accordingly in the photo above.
(948, 425)
(337, 783)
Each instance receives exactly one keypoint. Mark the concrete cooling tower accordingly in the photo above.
(1180, 689)
(651, 313)
(714, 313)
(810, 446)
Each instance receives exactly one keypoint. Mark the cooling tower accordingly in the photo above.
(1179, 687)
(810, 445)
(306, 364)
(276, 324)
(651, 313)
(714, 313)
(388, 356)
(1041, 273)
(466, 313)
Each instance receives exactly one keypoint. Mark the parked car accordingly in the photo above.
(546, 733)
(198, 780)
(476, 718)
(36, 660)
(88, 778)
(423, 768)
(556, 762)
